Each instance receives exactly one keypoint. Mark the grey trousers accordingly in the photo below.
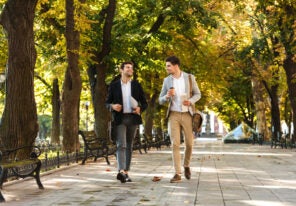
(126, 133)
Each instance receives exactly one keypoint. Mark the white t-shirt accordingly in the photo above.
(180, 95)
(126, 96)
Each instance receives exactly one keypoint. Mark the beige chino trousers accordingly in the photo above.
(180, 121)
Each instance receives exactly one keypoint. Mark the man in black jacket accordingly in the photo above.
(127, 101)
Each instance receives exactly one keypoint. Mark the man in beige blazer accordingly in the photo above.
(175, 92)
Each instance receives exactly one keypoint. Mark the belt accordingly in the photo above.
(179, 112)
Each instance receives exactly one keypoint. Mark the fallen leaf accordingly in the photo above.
(156, 179)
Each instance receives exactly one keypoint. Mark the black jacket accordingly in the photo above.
(115, 97)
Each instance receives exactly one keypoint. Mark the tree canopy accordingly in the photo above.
(228, 45)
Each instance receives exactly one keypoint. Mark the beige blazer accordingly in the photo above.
(168, 83)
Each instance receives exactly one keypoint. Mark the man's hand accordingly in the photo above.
(186, 103)
(171, 92)
(117, 107)
(137, 110)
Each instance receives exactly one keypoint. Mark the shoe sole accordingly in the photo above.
(175, 181)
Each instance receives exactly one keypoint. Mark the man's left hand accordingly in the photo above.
(186, 103)
(137, 110)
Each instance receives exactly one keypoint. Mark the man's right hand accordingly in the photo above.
(117, 107)
(171, 92)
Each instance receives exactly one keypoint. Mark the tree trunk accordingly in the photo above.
(19, 124)
(150, 115)
(275, 111)
(72, 84)
(258, 95)
(97, 75)
(102, 115)
(55, 134)
(290, 68)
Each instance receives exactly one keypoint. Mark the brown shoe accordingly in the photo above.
(176, 178)
(187, 173)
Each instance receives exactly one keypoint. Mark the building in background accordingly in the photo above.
(212, 125)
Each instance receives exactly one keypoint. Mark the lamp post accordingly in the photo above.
(86, 119)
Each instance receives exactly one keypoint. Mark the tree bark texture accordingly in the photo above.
(102, 115)
(260, 107)
(150, 116)
(290, 68)
(56, 126)
(72, 84)
(19, 125)
(275, 111)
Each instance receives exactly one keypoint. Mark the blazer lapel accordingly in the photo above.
(170, 82)
(132, 88)
(119, 92)
(186, 80)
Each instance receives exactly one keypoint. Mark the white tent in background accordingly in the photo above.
(241, 133)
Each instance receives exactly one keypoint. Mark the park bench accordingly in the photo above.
(288, 141)
(155, 141)
(96, 147)
(137, 144)
(166, 139)
(279, 140)
(257, 138)
(11, 165)
(158, 141)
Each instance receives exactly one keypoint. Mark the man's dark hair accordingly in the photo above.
(174, 60)
(124, 63)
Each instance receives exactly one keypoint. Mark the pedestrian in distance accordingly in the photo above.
(176, 92)
(126, 101)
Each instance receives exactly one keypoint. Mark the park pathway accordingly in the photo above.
(222, 175)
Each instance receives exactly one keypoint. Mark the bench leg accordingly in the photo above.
(3, 176)
(106, 155)
(107, 159)
(85, 157)
(140, 151)
(37, 175)
(1, 197)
